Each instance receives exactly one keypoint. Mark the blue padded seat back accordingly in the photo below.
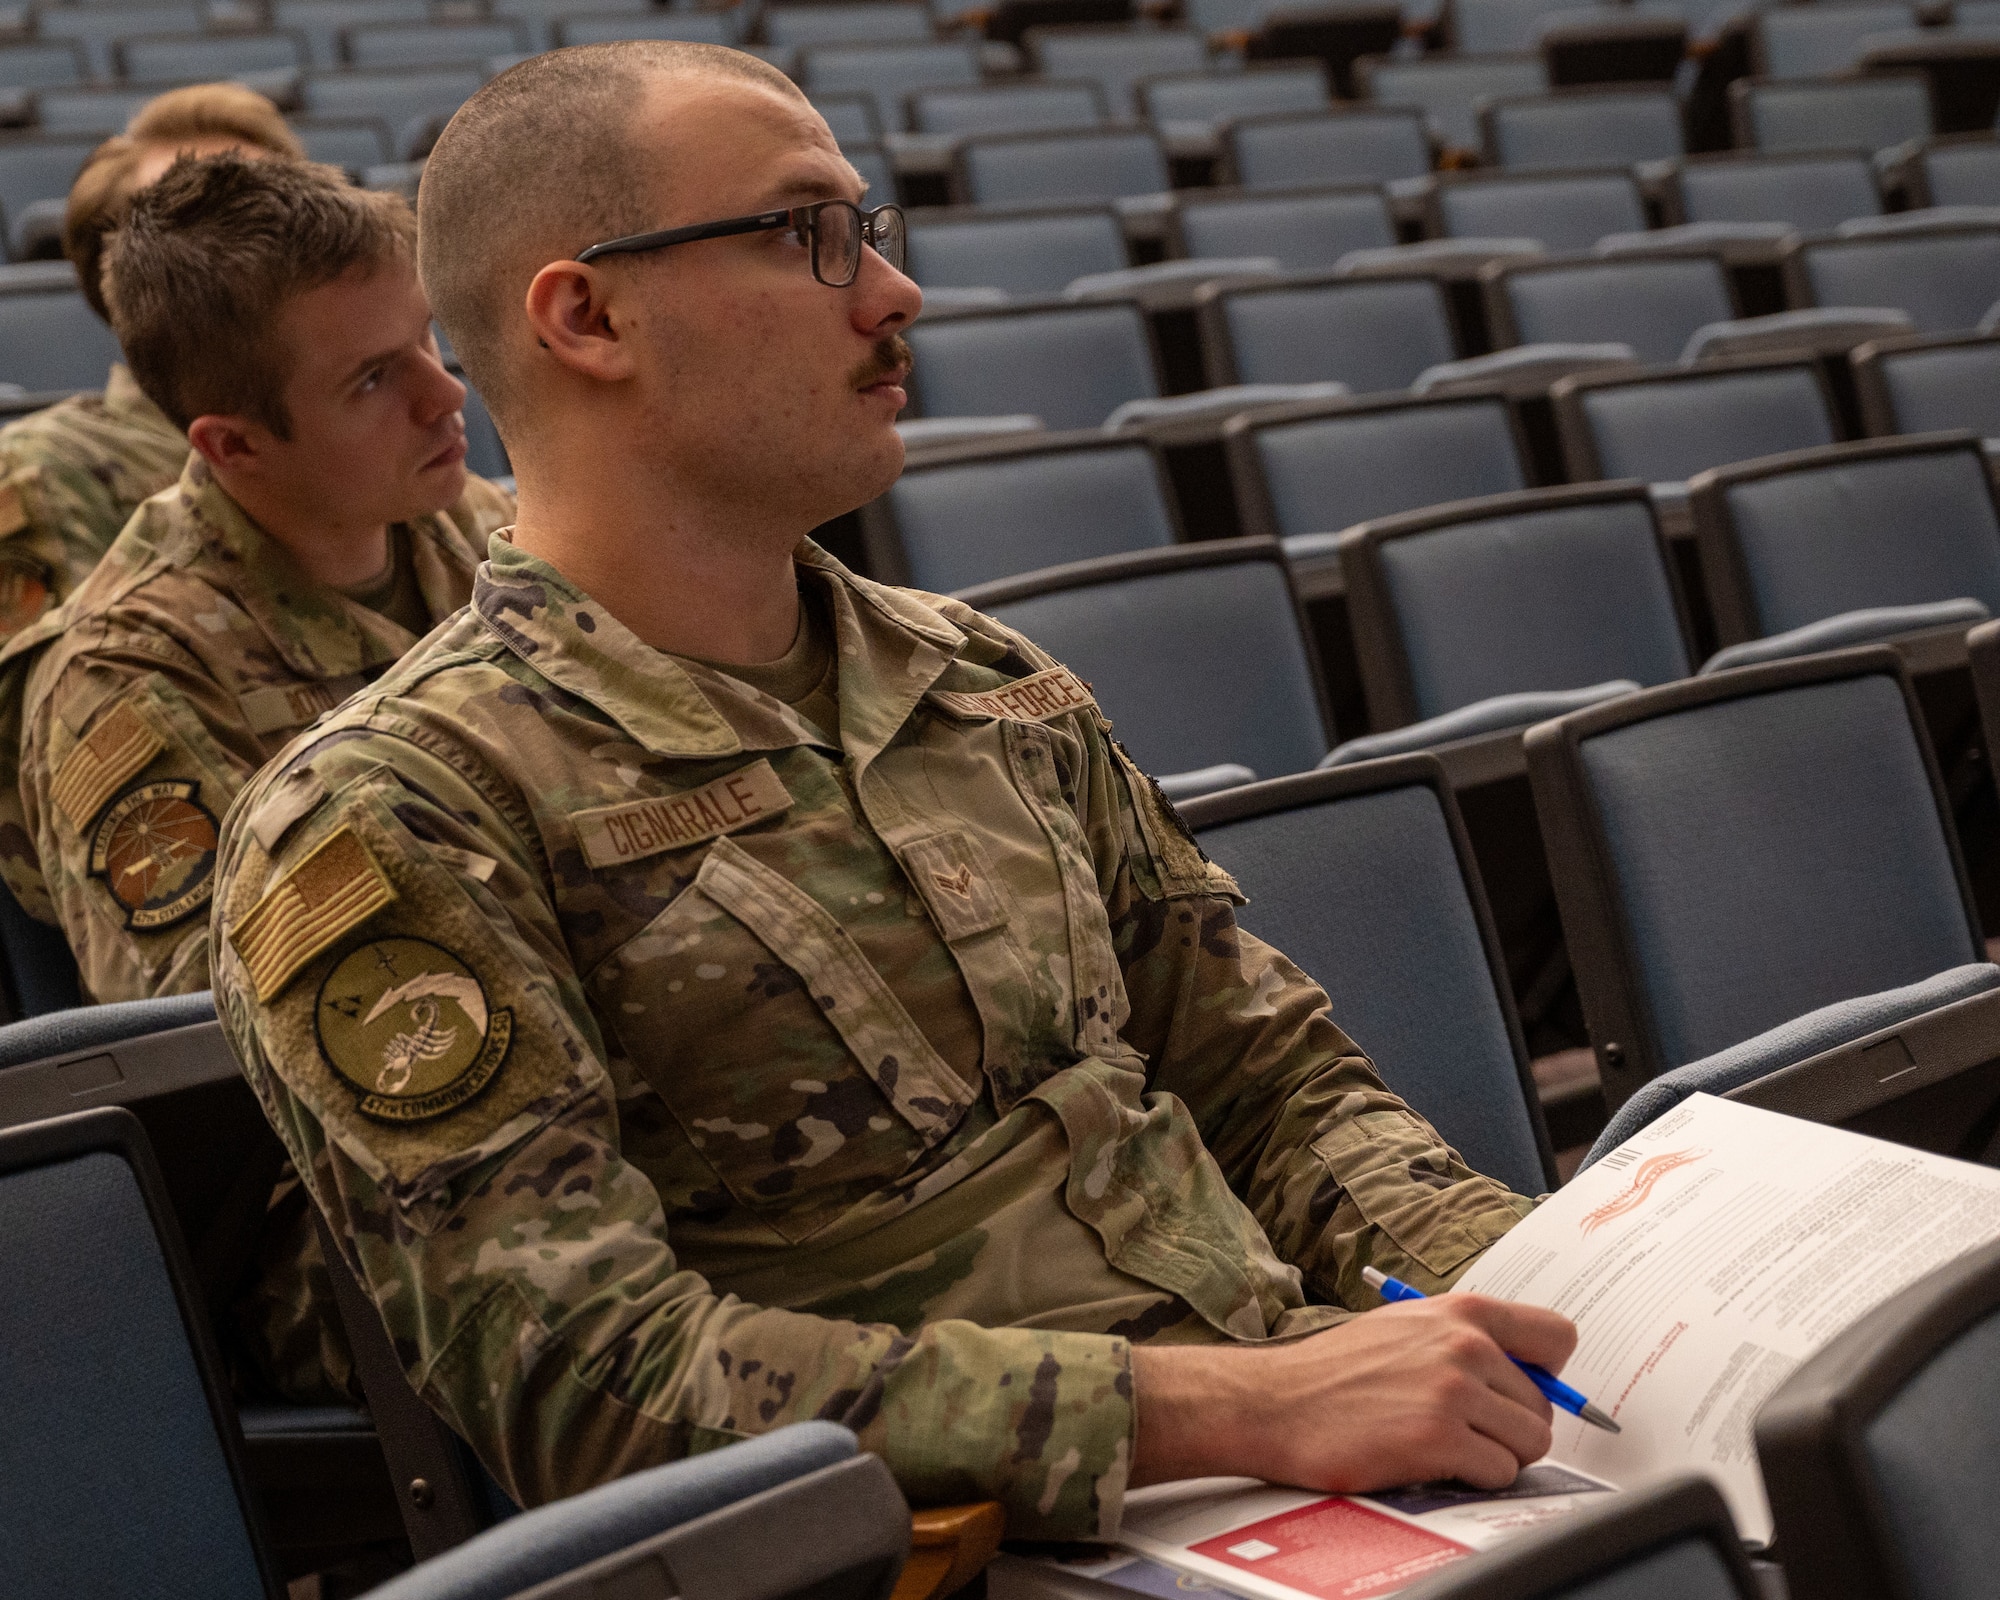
(1602, 129)
(104, 1495)
(1654, 306)
(695, 27)
(850, 118)
(39, 66)
(1687, 1569)
(1097, 167)
(1217, 96)
(1303, 232)
(1565, 213)
(1666, 432)
(319, 22)
(1368, 335)
(1772, 855)
(1554, 599)
(1930, 1453)
(1013, 108)
(1818, 41)
(1352, 147)
(872, 166)
(540, 17)
(1861, 113)
(95, 27)
(353, 145)
(1957, 387)
(39, 170)
(401, 45)
(857, 22)
(1946, 282)
(1196, 668)
(1026, 256)
(973, 521)
(1328, 473)
(102, 111)
(1071, 367)
(407, 101)
(93, 1027)
(1368, 897)
(1488, 27)
(1449, 90)
(192, 59)
(53, 340)
(1118, 60)
(484, 453)
(1814, 196)
(888, 72)
(1963, 174)
(1889, 532)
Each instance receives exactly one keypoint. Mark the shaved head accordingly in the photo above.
(536, 167)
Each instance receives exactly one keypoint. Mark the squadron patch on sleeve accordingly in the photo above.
(405, 1022)
(112, 753)
(332, 890)
(154, 849)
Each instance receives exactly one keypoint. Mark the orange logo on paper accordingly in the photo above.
(1636, 1193)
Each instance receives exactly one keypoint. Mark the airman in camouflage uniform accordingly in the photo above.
(678, 1065)
(70, 477)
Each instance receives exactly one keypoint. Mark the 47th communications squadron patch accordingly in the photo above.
(406, 1023)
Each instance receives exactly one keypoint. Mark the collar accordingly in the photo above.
(891, 649)
(317, 631)
(124, 398)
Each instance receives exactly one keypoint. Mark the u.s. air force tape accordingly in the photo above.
(1037, 699)
(610, 835)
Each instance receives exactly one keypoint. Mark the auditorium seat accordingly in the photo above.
(967, 514)
(1197, 654)
(1820, 40)
(47, 64)
(1412, 962)
(694, 27)
(1795, 539)
(37, 168)
(95, 28)
(1928, 385)
(1664, 427)
(1564, 211)
(94, 111)
(193, 58)
(1294, 150)
(1496, 27)
(1672, 1540)
(50, 339)
(541, 17)
(850, 118)
(1812, 191)
(1303, 230)
(1946, 280)
(1303, 473)
(888, 72)
(414, 102)
(321, 22)
(855, 22)
(1542, 590)
(1072, 366)
(1370, 334)
(1962, 170)
(1448, 89)
(1006, 108)
(1194, 102)
(1898, 1413)
(1653, 304)
(1830, 113)
(1115, 58)
(1738, 850)
(1581, 127)
(1042, 168)
(1027, 253)
(427, 44)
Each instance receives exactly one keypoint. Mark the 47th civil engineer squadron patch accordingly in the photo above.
(154, 848)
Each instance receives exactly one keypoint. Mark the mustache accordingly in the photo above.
(886, 360)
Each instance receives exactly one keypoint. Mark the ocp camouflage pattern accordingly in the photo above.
(670, 1075)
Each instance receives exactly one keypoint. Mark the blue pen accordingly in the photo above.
(1559, 1393)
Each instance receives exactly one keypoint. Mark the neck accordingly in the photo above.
(337, 554)
(694, 579)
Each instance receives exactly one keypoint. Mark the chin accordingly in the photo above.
(437, 491)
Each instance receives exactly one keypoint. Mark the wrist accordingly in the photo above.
(1189, 1410)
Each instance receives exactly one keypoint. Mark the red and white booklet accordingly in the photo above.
(1701, 1262)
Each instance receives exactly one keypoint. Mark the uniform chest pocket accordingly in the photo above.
(782, 1053)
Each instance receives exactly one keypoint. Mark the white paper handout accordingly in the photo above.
(1706, 1258)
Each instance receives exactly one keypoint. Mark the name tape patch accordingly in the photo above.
(1037, 699)
(335, 888)
(293, 705)
(115, 750)
(611, 835)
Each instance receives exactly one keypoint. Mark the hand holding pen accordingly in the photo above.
(1558, 1393)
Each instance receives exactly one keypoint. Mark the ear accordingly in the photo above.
(569, 307)
(230, 445)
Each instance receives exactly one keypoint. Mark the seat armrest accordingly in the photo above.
(1178, 786)
(1228, 399)
(1496, 715)
(1847, 629)
(1525, 369)
(949, 1547)
(1826, 330)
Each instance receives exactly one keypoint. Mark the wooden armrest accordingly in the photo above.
(949, 1546)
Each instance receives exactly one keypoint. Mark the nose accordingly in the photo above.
(440, 392)
(884, 300)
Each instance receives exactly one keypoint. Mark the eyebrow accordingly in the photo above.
(803, 191)
(381, 358)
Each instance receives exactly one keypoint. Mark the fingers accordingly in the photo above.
(1547, 1338)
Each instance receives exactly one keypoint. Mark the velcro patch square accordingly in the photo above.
(610, 835)
(335, 888)
(116, 750)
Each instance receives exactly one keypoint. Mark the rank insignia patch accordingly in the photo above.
(155, 850)
(406, 1023)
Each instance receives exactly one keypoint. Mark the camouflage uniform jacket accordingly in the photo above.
(671, 1075)
(70, 477)
(186, 660)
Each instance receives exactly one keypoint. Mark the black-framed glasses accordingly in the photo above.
(834, 230)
